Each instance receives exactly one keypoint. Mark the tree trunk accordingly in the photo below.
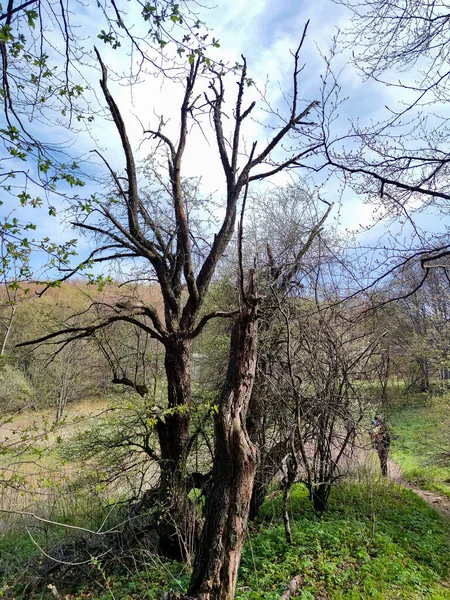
(8, 328)
(320, 496)
(60, 405)
(173, 436)
(227, 505)
(424, 385)
(290, 470)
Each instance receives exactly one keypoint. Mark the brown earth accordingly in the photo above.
(438, 501)
(365, 463)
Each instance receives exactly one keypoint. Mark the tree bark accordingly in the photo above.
(292, 588)
(424, 385)
(227, 505)
(173, 435)
(290, 470)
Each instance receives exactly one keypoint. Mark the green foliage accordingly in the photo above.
(18, 545)
(117, 445)
(16, 391)
(15, 548)
(375, 542)
(420, 435)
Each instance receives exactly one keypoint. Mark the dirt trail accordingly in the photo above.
(364, 462)
(438, 501)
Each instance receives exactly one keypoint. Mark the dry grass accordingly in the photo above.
(32, 474)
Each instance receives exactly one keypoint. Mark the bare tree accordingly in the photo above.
(235, 459)
(400, 163)
(288, 235)
(388, 35)
(325, 362)
(418, 325)
(47, 94)
(128, 228)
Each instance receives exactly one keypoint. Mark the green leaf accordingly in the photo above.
(31, 17)
(5, 34)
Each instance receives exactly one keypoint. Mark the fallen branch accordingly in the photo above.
(292, 587)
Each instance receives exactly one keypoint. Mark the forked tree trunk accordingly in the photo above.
(227, 505)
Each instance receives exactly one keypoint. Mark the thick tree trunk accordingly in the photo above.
(173, 430)
(227, 506)
(173, 436)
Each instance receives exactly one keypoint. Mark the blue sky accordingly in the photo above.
(264, 32)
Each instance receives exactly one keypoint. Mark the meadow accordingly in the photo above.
(376, 540)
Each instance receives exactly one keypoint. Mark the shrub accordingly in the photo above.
(16, 391)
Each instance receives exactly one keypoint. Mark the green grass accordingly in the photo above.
(15, 549)
(20, 538)
(416, 430)
(376, 541)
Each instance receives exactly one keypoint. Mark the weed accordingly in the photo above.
(376, 541)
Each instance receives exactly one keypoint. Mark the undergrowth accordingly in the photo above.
(376, 541)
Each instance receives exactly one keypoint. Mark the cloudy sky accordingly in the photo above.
(264, 32)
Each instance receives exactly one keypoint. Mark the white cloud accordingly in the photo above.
(265, 33)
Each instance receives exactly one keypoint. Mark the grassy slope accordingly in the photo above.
(415, 428)
(376, 541)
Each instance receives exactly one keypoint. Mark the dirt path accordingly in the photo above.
(438, 501)
(365, 460)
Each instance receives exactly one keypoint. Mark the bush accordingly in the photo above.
(16, 391)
